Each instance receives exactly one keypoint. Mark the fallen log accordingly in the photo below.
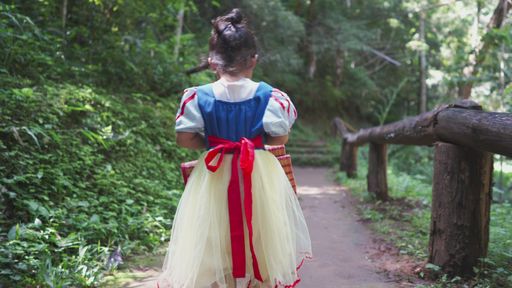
(485, 131)
(463, 124)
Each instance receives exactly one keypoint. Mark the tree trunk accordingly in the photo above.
(64, 15)
(311, 61)
(298, 7)
(461, 195)
(499, 15)
(466, 87)
(179, 30)
(377, 171)
(340, 60)
(501, 58)
(423, 67)
(477, 57)
(310, 49)
(348, 161)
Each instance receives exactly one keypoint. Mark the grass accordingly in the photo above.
(404, 221)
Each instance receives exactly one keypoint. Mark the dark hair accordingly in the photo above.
(232, 43)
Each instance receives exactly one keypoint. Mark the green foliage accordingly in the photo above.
(502, 175)
(278, 35)
(121, 45)
(82, 173)
(25, 49)
(388, 100)
(416, 161)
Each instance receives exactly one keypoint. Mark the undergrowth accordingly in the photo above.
(82, 173)
(404, 221)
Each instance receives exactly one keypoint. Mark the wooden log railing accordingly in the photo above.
(464, 138)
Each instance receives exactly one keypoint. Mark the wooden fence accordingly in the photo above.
(464, 138)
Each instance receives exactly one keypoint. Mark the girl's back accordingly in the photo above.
(239, 222)
(232, 110)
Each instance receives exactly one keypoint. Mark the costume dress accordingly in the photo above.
(238, 222)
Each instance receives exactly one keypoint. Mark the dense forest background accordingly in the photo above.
(89, 89)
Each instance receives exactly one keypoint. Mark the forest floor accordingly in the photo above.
(345, 252)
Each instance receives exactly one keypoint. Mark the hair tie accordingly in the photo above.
(227, 26)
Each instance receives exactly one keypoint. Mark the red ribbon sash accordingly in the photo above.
(243, 150)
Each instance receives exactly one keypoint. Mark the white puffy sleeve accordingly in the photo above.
(188, 117)
(280, 114)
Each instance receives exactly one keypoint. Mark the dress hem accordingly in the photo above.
(297, 281)
(279, 284)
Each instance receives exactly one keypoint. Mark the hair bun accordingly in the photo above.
(232, 44)
(235, 16)
(231, 21)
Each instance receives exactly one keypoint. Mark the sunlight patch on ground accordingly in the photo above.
(308, 190)
(139, 271)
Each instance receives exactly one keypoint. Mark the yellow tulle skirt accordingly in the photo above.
(199, 253)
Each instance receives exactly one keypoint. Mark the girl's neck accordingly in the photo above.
(232, 78)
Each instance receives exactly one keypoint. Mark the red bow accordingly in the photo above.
(244, 149)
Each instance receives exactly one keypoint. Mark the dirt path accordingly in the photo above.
(339, 241)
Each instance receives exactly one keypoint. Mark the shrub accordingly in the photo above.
(82, 173)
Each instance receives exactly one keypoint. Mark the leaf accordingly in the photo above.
(13, 232)
(13, 19)
(27, 92)
(17, 135)
(37, 209)
(106, 132)
(32, 135)
(216, 4)
(21, 266)
(86, 107)
(95, 138)
(55, 136)
(24, 92)
(94, 218)
(432, 267)
(81, 252)
(43, 211)
(33, 205)
(83, 203)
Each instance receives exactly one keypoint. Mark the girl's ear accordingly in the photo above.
(213, 66)
(254, 60)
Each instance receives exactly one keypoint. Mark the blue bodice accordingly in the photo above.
(233, 120)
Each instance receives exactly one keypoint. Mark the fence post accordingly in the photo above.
(461, 195)
(348, 161)
(377, 171)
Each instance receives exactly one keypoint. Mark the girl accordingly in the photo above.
(238, 223)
